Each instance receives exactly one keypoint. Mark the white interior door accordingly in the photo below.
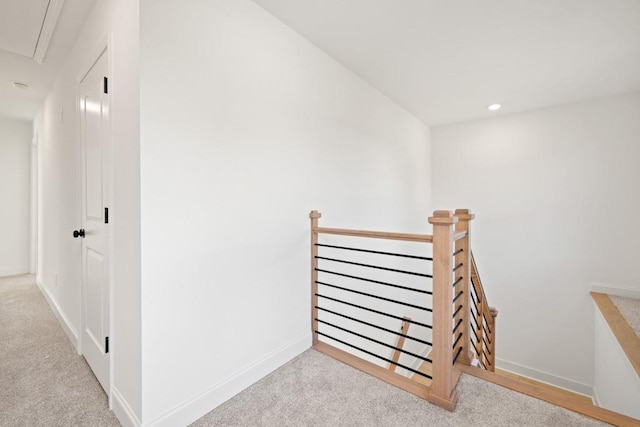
(94, 123)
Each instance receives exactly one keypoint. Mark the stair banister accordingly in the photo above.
(461, 318)
(314, 216)
(463, 251)
(492, 346)
(442, 391)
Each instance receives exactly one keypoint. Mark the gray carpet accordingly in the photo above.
(630, 310)
(315, 390)
(43, 381)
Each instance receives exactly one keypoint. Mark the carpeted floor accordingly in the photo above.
(630, 310)
(315, 390)
(43, 381)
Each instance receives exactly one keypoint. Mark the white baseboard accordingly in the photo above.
(545, 377)
(621, 291)
(67, 326)
(595, 398)
(123, 410)
(14, 270)
(196, 407)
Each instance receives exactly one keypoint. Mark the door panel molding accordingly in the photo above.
(95, 176)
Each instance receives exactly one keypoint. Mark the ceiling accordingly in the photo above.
(20, 26)
(35, 38)
(445, 61)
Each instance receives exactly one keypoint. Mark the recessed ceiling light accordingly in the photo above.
(20, 85)
(494, 107)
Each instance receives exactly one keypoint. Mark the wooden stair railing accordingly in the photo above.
(455, 328)
(484, 323)
(444, 382)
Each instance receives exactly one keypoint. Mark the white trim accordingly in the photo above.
(596, 397)
(545, 377)
(621, 291)
(618, 380)
(109, 203)
(91, 57)
(201, 404)
(123, 410)
(48, 27)
(14, 270)
(67, 326)
(33, 207)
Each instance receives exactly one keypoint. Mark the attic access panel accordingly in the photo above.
(26, 26)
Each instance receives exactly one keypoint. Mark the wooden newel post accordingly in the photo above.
(492, 347)
(464, 257)
(314, 215)
(442, 391)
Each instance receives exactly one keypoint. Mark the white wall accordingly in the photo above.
(33, 204)
(616, 383)
(15, 194)
(38, 130)
(245, 128)
(125, 213)
(556, 194)
(114, 23)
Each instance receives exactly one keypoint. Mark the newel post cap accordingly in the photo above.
(443, 218)
(464, 214)
(314, 214)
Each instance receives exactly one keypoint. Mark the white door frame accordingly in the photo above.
(35, 190)
(92, 55)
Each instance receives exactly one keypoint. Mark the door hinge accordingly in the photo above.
(106, 215)
(106, 344)
(105, 85)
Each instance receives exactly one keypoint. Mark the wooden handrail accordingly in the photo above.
(485, 316)
(454, 276)
(375, 234)
(625, 335)
(475, 277)
(388, 375)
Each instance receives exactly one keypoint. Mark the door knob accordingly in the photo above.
(78, 233)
